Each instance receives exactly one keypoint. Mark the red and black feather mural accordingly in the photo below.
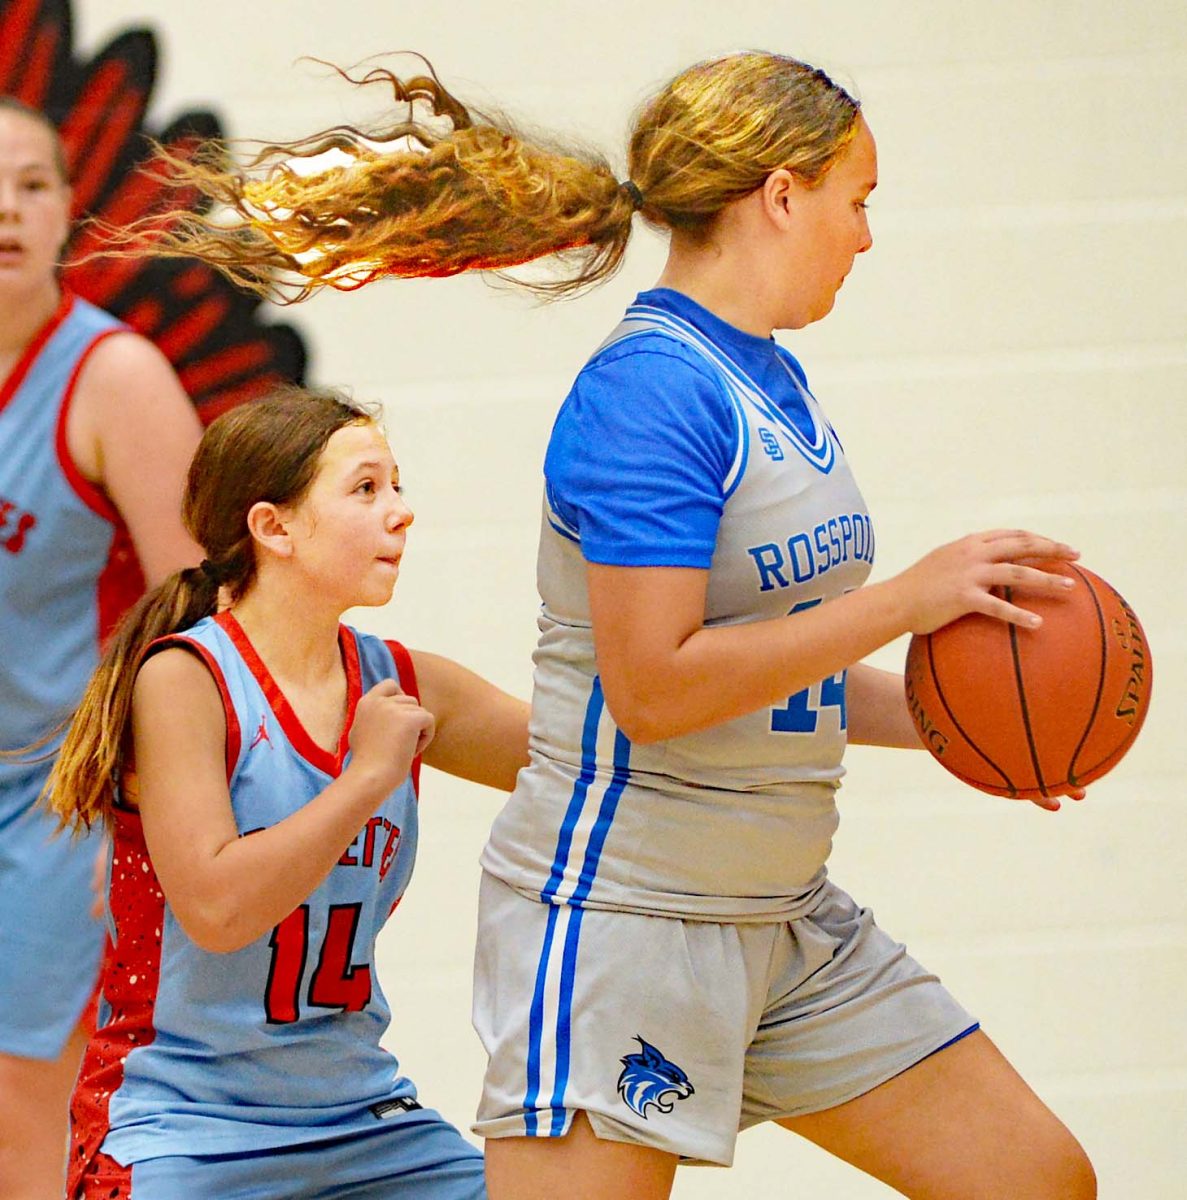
(210, 331)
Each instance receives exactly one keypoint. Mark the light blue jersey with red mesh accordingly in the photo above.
(66, 568)
(275, 1044)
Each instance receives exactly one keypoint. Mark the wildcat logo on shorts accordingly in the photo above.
(648, 1078)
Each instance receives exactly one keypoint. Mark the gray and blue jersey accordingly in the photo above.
(685, 442)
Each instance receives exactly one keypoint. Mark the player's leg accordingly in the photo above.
(50, 946)
(871, 1058)
(578, 1166)
(960, 1125)
(34, 1098)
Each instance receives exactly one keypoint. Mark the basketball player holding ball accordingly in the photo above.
(662, 959)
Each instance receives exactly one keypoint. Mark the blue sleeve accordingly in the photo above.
(793, 364)
(639, 454)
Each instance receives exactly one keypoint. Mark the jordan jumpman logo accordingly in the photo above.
(261, 734)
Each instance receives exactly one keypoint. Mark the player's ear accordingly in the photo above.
(269, 527)
(781, 191)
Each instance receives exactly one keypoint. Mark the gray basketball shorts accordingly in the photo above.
(677, 1034)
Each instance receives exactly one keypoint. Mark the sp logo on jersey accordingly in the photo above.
(648, 1078)
(770, 443)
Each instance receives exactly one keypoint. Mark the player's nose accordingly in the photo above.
(400, 514)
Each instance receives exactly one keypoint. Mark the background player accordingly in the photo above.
(274, 805)
(95, 436)
(660, 867)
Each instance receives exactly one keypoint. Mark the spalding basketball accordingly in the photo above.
(1034, 712)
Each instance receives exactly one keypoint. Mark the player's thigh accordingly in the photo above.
(960, 1125)
(34, 1100)
(578, 1166)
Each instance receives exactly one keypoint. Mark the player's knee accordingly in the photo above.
(1083, 1187)
(1069, 1174)
(1049, 1164)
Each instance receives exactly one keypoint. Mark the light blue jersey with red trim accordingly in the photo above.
(275, 1044)
(66, 565)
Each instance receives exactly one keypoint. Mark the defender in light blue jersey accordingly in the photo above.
(95, 435)
(244, 1036)
(661, 957)
(263, 831)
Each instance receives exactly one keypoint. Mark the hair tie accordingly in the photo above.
(632, 190)
(213, 572)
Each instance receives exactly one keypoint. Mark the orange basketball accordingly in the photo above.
(1034, 712)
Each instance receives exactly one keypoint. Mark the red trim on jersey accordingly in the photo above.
(89, 1021)
(93, 496)
(324, 760)
(234, 735)
(409, 685)
(407, 671)
(29, 355)
(130, 978)
(354, 688)
(120, 583)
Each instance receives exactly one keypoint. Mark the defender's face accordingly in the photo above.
(349, 529)
(34, 203)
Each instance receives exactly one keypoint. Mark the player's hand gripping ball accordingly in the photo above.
(1032, 713)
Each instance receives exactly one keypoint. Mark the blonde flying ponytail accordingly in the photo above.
(444, 189)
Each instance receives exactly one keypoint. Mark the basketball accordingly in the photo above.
(1034, 712)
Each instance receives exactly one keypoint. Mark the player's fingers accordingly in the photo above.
(1002, 610)
(1031, 579)
(384, 688)
(1046, 803)
(1013, 544)
(995, 535)
(405, 712)
(427, 732)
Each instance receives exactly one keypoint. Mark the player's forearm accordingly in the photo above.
(876, 705)
(253, 882)
(723, 672)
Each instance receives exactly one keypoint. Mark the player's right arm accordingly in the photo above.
(481, 732)
(665, 674)
(224, 889)
(638, 458)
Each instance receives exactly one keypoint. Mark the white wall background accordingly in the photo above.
(1011, 352)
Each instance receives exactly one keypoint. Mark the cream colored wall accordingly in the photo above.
(1012, 352)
